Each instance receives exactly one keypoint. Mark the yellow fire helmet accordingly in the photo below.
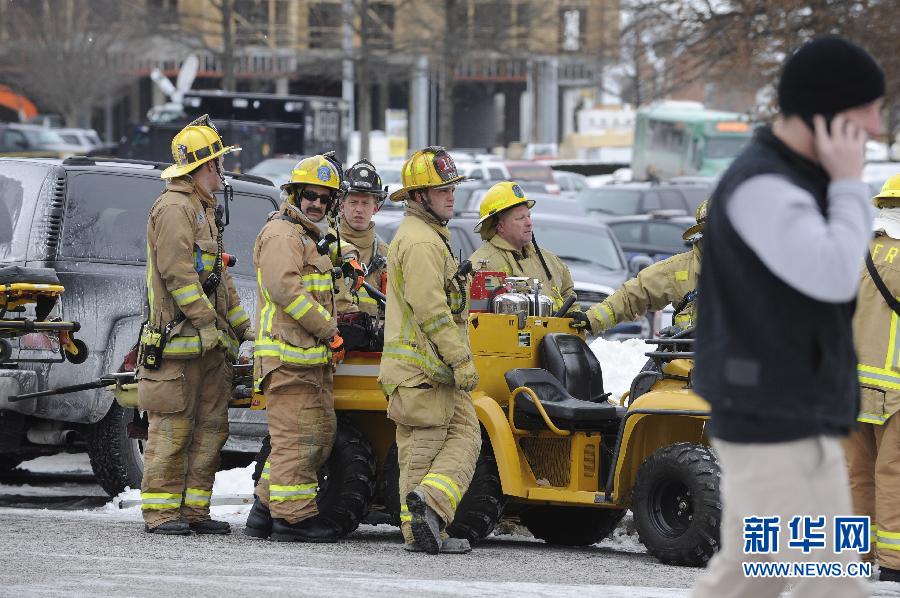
(197, 143)
(427, 169)
(700, 215)
(499, 198)
(889, 197)
(315, 170)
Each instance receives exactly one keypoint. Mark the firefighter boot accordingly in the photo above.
(169, 528)
(886, 574)
(426, 523)
(448, 546)
(311, 529)
(210, 526)
(259, 521)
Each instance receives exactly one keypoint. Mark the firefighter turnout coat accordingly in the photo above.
(365, 246)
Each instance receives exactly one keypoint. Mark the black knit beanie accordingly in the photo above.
(828, 75)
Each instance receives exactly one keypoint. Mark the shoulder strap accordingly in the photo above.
(879, 284)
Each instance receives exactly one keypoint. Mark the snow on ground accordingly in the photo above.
(620, 361)
(61, 463)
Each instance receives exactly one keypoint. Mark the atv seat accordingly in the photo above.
(565, 411)
(572, 362)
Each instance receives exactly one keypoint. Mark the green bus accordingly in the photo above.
(684, 138)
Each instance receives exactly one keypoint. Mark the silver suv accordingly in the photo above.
(87, 219)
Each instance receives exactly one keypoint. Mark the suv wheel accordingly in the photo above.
(117, 460)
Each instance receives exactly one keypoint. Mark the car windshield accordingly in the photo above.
(619, 202)
(579, 244)
(530, 172)
(274, 167)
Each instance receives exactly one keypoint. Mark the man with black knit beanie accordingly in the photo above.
(786, 234)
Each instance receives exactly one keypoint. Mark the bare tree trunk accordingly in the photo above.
(445, 104)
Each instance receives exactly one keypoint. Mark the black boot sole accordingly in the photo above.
(276, 537)
(257, 532)
(219, 532)
(420, 528)
(161, 532)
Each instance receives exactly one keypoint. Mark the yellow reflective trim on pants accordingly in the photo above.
(436, 370)
(872, 418)
(237, 316)
(195, 497)
(187, 294)
(405, 515)
(180, 345)
(445, 485)
(878, 377)
(279, 493)
(156, 501)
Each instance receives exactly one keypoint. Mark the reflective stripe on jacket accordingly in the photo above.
(422, 337)
(295, 295)
(668, 281)
(876, 333)
(181, 253)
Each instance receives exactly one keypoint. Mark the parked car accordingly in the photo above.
(520, 171)
(469, 196)
(586, 246)
(626, 199)
(33, 141)
(85, 139)
(656, 235)
(570, 183)
(87, 220)
(277, 170)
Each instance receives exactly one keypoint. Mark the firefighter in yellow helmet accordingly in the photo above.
(427, 369)
(293, 356)
(873, 448)
(673, 280)
(510, 245)
(195, 325)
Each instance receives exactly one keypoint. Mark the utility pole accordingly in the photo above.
(347, 83)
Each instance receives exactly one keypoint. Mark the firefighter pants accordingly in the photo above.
(187, 405)
(784, 479)
(873, 461)
(438, 441)
(302, 424)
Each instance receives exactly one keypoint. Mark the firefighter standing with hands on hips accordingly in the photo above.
(427, 368)
(873, 448)
(195, 325)
(297, 344)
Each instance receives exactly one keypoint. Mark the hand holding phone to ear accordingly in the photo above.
(842, 151)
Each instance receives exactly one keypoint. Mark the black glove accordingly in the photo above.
(579, 321)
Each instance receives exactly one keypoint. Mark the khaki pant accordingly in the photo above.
(802, 477)
(302, 424)
(873, 459)
(438, 441)
(187, 405)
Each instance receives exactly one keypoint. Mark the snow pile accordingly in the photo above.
(229, 483)
(620, 361)
(624, 538)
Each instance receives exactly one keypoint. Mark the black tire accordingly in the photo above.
(9, 462)
(117, 460)
(571, 526)
(5, 350)
(482, 506)
(390, 485)
(676, 504)
(346, 481)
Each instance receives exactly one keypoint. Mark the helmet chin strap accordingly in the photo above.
(426, 203)
(227, 192)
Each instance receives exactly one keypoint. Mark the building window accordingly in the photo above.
(164, 10)
(251, 18)
(324, 24)
(571, 22)
(491, 23)
(379, 26)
